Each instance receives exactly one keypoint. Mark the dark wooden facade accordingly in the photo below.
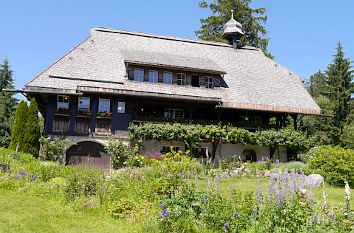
(94, 125)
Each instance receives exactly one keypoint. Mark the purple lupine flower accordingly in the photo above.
(22, 173)
(315, 220)
(164, 211)
(162, 216)
(332, 216)
(167, 214)
(217, 183)
(277, 162)
(226, 225)
(235, 215)
(179, 215)
(291, 186)
(145, 209)
(161, 206)
(9, 172)
(259, 195)
(34, 178)
(17, 147)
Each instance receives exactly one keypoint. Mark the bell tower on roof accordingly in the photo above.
(233, 31)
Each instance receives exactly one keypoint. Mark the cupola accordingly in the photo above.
(233, 31)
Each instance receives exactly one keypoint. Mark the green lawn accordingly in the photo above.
(23, 213)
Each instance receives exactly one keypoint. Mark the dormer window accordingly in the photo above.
(209, 82)
(181, 79)
(139, 75)
(84, 104)
(167, 78)
(63, 102)
(153, 76)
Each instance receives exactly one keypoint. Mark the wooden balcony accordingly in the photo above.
(103, 126)
(61, 123)
(82, 125)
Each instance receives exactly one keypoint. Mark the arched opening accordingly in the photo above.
(89, 154)
(250, 155)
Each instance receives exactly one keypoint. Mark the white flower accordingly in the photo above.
(347, 191)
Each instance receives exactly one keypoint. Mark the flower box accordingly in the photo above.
(62, 111)
(87, 113)
(104, 114)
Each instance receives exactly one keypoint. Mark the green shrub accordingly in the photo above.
(52, 148)
(120, 151)
(82, 181)
(335, 164)
(32, 130)
(18, 128)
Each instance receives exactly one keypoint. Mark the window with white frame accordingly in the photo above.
(121, 107)
(174, 113)
(139, 75)
(153, 76)
(181, 79)
(84, 103)
(209, 82)
(63, 102)
(167, 78)
(104, 105)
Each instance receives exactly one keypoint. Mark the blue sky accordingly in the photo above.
(33, 34)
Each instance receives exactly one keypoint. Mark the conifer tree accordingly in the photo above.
(252, 21)
(18, 128)
(32, 130)
(339, 88)
(7, 103)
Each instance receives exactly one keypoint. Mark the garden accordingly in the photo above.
(172, 192)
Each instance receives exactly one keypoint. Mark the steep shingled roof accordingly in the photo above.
(254, 81)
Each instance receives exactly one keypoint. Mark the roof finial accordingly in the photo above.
(232, 14)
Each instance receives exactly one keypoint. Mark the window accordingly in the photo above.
(209, 82)
(153, 76)
(84, 103)
(195, 81)
(181, 79)
(138, 75)
(121, 107)
(166, 149)
(174, 113)
(167, 78)
(104, 105)
(63, 102)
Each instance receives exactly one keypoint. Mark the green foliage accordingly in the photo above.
(252, 21)
(332, 91)
(52, 148)
(82, 181)
(193, 135)
(7, 104)
(120, 151)
(32, 133)
(347, 136)
(335, 164)
(18, 130)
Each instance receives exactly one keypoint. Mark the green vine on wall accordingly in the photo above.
(194, 135)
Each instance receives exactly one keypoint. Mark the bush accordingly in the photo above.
(32, 130)
(82, 181)
(52, 148)
(18, 128)
(335, 164)
(120, 151)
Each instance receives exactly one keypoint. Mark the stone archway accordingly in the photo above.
(89, 154)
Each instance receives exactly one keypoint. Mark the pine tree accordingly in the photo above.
(18, 128)
(252, 21)
(7, 104)
(32, 130)
(339, 88)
